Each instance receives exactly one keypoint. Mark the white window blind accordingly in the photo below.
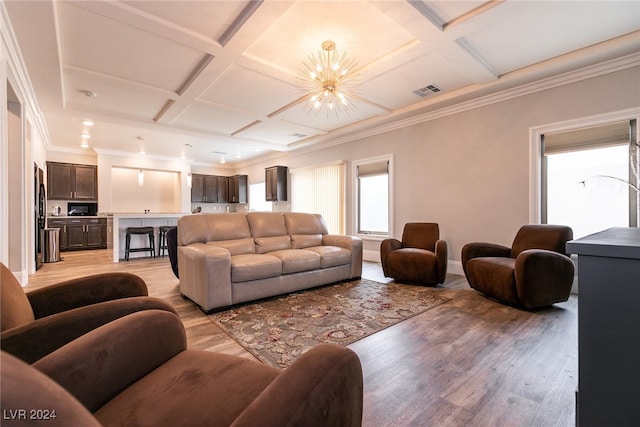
(320, 189)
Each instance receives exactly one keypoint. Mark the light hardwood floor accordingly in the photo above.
(469, 362)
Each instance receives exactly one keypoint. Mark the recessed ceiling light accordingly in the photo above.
(142, 151)
(85, 135)
(84, 144)
(87, 122)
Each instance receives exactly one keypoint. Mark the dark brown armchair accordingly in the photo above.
(421, 257)
(534, 272)
(34, 324)
(137, 371)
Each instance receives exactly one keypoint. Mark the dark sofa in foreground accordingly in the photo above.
(136, 371)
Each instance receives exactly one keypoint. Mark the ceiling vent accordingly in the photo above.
(428, 90)
(298, 135)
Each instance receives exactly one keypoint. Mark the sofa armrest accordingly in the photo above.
(441, 259)
(115, 356)
(386, 247)
(205, 275)
(353, 244)
(543, 277)
(84, 291)
(32, 341)
(323, 387)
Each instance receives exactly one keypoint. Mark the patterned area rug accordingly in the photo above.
(280, 329)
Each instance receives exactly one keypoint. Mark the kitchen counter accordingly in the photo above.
(123, 220)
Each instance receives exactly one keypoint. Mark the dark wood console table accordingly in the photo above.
(608, 327)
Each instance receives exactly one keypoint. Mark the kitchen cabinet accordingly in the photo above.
(80, 233)
(276, 183)
(223, 189)
(209, 188)
(238, 189)
(68, 181)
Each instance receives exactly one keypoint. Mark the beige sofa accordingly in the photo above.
(225, 259)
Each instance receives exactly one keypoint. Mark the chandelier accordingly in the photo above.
(326, 78)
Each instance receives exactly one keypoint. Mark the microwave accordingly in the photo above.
(82, 209)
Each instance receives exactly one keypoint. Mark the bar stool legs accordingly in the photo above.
(162, 237)
(140, 230)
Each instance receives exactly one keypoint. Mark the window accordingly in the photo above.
(586, 179)
(257, 200)
(320, 189)
(373, 196)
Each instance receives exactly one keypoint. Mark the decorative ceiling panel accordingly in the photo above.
(248, 89)
(211, 19)
(122, 51)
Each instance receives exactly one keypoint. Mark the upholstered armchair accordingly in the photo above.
(34, 324)
(137, 371)
(534, 272)
(421, 257)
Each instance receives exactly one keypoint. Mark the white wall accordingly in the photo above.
(159, 194)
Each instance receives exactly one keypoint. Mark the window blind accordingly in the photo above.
(320, 189)
(587, 138)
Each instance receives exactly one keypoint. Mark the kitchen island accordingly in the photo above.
(123, 220)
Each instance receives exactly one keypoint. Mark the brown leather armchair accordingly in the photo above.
(421, 257)
(534, 272)
(34, 324)
(137, 371)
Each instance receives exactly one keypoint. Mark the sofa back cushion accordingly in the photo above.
(541, 236)
(301, 241)
(236, 246)
(304, 223)
(266, 224)
(204, 228)
(269, 244)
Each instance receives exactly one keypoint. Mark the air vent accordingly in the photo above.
(428, 90)
(298, 135)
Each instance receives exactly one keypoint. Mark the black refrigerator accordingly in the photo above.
(40, 212)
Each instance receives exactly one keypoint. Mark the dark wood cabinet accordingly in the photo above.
(68, 181)
(238, 189)
(197, 188)
(209, 188)
(223, 189)
(80, 233)
(219, 189)
(276, 183)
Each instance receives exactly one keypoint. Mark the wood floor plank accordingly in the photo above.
(471, 361)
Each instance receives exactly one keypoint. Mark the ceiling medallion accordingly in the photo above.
(327, 78)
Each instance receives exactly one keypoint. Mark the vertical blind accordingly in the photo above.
(320, 189)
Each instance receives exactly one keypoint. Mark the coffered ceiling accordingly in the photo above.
(201, 78)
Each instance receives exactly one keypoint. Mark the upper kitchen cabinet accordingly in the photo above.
(238, 189)
(67, 181)
(276, 183)
(204, 188)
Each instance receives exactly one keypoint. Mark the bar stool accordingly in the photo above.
(162, 236)
(140, 230)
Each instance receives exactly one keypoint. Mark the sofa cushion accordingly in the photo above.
(193, 388)
(297, 260)
(304, 223)
(331, 256)
(237, 246)
(494, 276)
(266, 224)
(254, 266)
(301, 241)
(270, 244)
(204, 228)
